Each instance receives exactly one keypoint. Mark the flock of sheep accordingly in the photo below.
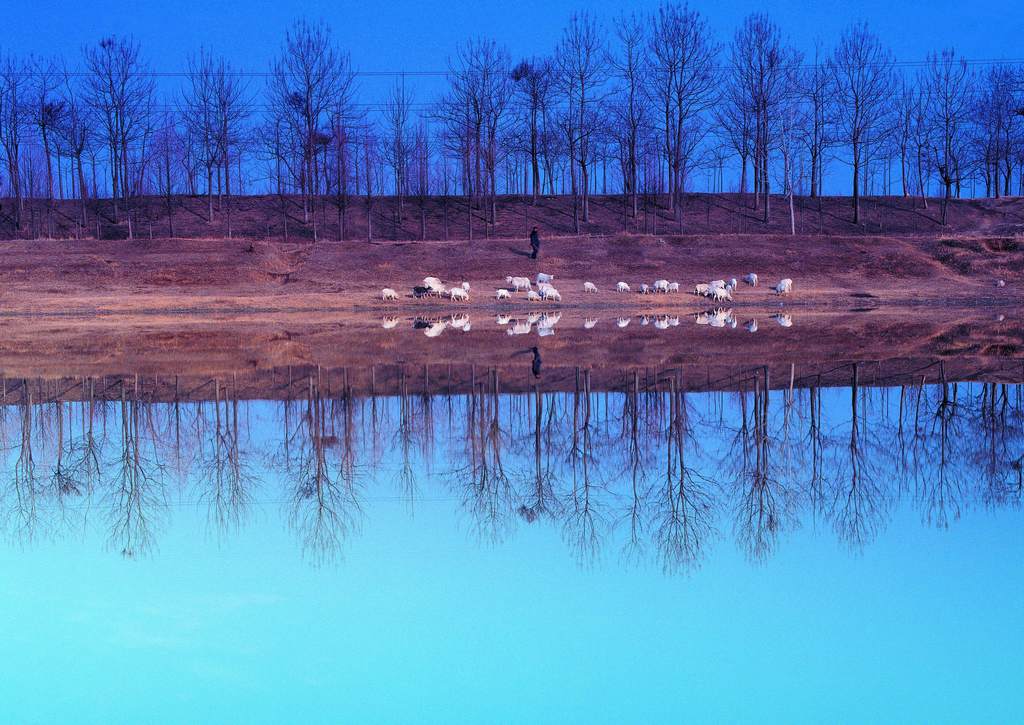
(542, 289)
(718, 290)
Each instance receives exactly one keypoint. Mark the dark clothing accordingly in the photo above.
(535, 367)
(534, 244)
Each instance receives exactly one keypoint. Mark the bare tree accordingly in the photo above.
(47, 113)
(814, 91)
(232, 107)
(995, 125)
(949, 97)
(474, 114)
(397, 113)
(14, 121)
(120, 91)
(76, 133)
(306, 82)
(629, 106)
(581, 59)
(199, 111)
(419, 182)
(533, 84)
(683, 82)
(862, 78)
(760, 70)
(167, 147)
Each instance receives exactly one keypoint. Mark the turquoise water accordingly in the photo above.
(788, 571)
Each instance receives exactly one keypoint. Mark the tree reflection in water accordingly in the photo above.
(646, 469)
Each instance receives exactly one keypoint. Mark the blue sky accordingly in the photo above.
(418, 36)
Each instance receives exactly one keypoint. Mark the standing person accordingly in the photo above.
(535, 367)
(534, 243)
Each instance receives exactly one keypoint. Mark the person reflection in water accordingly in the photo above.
(535, 367)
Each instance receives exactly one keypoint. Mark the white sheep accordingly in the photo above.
(701, 289)
(503, 319)
(622, 287)
(784, 287)
(673, 287)
(541, 286)
(459, 321)
(519, 327)
(718, 294)
(590, 323)
(702, 318)
(532, 296)
(387, 294)
(661, 285)
(465, 286)
(732, 283)
(661, 323)
(751, 279)
(503, 294)
(589, 287)
(435, 286)
(622, 321)
(389, 323)
(545, 331)
(458, 294)
(550, 293)
(645, 290)
(784, 320)
(645, 320)
(716, 283)
(518, 283)
(752, 326)
(541, 277)
(674, 320)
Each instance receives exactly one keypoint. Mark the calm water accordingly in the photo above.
(637, 554)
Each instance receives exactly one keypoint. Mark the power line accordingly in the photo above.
(446, 73)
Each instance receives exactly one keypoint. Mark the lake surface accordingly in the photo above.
(510, 550)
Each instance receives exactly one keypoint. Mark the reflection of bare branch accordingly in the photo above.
(584, 524)
(542, 495)
(226, 476)
(23, 514)
(325, 503)
(767, 502)
(685, 519)
(486, 488)
(859, 504)
(942, 492)
(86, 451)
(136, 495)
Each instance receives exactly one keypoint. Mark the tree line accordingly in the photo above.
(646, 106)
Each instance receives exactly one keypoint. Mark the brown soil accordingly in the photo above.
(283, 218)
(197, 276)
